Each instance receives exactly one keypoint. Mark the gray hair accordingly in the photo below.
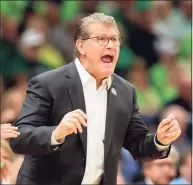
(81, 31)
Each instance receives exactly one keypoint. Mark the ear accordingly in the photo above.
(80, 46)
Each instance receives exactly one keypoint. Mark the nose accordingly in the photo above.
(110, 44)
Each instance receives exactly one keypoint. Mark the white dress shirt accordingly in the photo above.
(96, 108)
(96, 105)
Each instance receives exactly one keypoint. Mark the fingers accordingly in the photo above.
(167, 120)
(8, 126)
(81, 113)
(174, 127)
(170, 117)
(173, 134)
(8, 131)
(80, 118)
(8, 135)
(168, 126)
(72, 126)
(77, 123)
(5, 124)
(71, 123)
(168, 130)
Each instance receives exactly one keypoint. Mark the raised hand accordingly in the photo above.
(8, 131)
(71, 123)
(168, 130)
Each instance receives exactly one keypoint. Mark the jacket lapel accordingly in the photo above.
(75, 90)
(112, 108)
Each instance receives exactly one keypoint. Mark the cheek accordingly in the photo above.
(92, 50)
(117, 54)
(156, 172)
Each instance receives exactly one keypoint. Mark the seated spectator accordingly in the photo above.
(6, 160)
(10, 164)
(129, 167)
(184, 100)
(185, 49)
(12, 100)
(57, 34)
(163, 73)
(141, 36)
(149, 100)
(8, 50)
(123, 16)
(120, 178)
(179, 22)
(182, 143)
(12, 104)
(126, 58)
(47, 54)
(184, 97)
(185, 170)
(26, 61)
(161, 171)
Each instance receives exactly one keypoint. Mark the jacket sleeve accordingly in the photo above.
(138, 140)
(32, 123)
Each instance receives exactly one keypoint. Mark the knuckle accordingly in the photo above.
(76, 122)
(78, 110)
(165, 120)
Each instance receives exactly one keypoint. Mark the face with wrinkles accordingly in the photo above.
(99, 52)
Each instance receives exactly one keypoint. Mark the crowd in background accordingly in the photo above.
(155, 56)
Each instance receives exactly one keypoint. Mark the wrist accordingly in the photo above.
(58, 137)
(160, 143)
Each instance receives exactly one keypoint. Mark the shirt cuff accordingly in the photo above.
(160, 147)
(53, 140)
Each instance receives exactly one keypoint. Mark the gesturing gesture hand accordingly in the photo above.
(71, 123)
(168, 130)
(8, 131)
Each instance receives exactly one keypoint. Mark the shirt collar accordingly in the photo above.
(85, 76)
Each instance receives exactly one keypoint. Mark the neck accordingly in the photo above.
(98, 82)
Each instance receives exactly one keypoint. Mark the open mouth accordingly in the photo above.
(107, 59)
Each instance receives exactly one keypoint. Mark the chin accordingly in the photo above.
(107, 74)
(108, 71)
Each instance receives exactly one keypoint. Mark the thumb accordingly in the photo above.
(170, 117)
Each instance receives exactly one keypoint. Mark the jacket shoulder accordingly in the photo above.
(122, 83)
(53, 76)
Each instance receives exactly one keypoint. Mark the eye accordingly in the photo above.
(102, 39)
(114, 39)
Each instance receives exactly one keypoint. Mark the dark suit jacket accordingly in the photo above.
(49, 97)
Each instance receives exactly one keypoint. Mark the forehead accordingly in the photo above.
(96, 29)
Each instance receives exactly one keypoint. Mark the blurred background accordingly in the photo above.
(155, 56)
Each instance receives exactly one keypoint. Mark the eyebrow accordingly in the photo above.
(106, 35)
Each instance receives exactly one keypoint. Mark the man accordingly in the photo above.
(161, 171)
(76, 119)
